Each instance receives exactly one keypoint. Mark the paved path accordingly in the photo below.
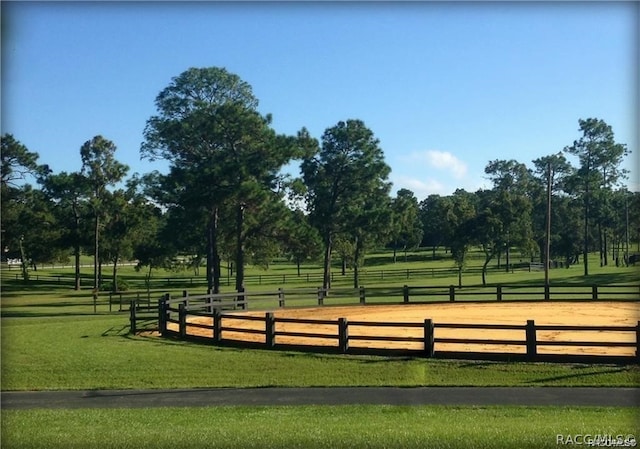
(527, 396)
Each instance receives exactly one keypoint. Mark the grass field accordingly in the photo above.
(311, 427)
(52, 340)
(97, 352)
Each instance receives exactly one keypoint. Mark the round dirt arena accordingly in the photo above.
(606, 313)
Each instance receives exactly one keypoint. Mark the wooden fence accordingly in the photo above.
(214, 318)
(366, 275)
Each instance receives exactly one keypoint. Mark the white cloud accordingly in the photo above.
(441, 160)
(421, 189)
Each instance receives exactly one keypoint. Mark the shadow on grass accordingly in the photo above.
(578, 375)
(387, 259)
(116, 331)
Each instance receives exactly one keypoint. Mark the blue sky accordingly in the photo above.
(446, 87)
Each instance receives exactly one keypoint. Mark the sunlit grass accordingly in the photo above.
(97, 352)
(310, 427)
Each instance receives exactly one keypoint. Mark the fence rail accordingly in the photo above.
(429, 341)
(225, 323)
(365, 275)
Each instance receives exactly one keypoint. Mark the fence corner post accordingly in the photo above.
(405, 293)
(499, 292)
(452, 293)
(594, 292)
(532, 350)
(429, 342)
(343, 335)
(280, 297)
(363, 298)
(270, 330)
(182, 318)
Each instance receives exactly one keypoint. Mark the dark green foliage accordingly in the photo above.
(340, 175)
(600, 158)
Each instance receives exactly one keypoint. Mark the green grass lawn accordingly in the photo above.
(378, 270)
(89, 352)
(310, 427)
(52, 340)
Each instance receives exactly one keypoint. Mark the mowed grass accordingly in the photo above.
(51, 340)
(96, 352)
(310, 427)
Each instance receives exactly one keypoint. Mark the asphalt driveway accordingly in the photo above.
(480, 396)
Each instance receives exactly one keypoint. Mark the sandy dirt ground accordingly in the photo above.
(544, 313)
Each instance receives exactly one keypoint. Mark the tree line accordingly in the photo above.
(226, 202)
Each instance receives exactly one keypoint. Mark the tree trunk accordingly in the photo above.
(459, 277)
(395, 245)
(298, 265)
(148, 279)
(23, 262)
(114, 285)
(356, 264)
(508, 261)
(76, 246)
(96, 230)
(600, 244)
(605, 246)
(585, 253)
(487, 259)
(76, 254)
(326, 276)
(239, 248)
(213, 259)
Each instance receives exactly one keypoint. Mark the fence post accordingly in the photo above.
(132, 316)
(594, 292)
(343, 335)
(547, 293)
(280, 297)
(320, 296)
(499, 292)
(532, 350)
(162, 314)
(638, 342)
(182, 318)
(270, 329)
(217, 325)
(362, 295)
(428, 338)
(452, 293)
(185, 295)
(242, 298)
(405, 293)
